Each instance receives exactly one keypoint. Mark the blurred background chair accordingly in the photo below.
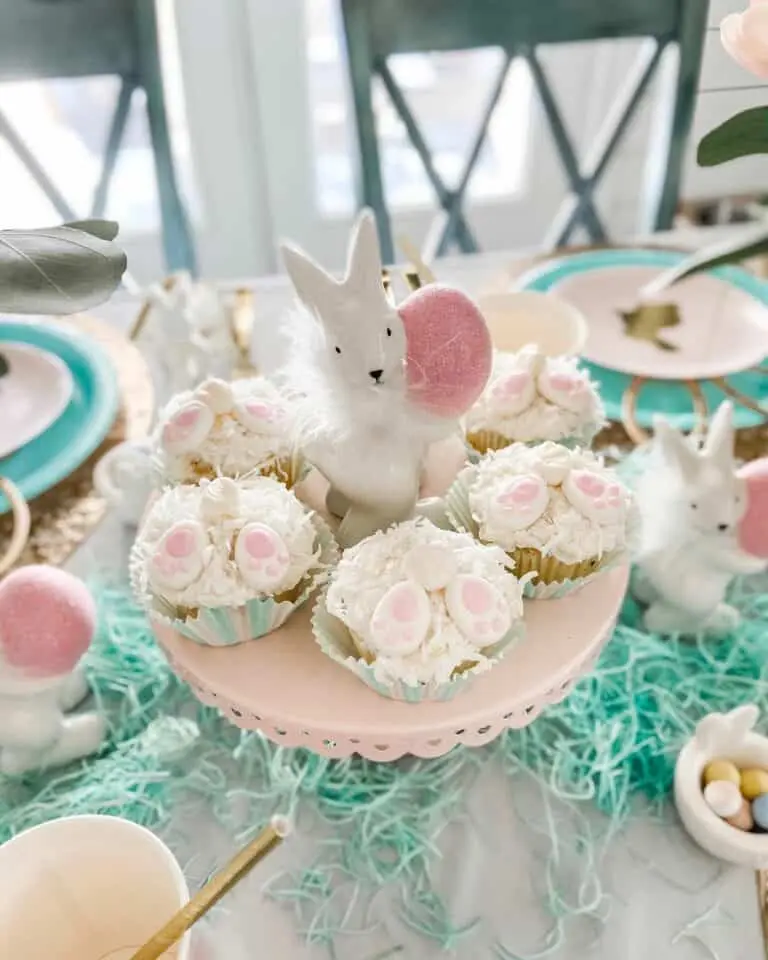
(62, 39)
(375, 31)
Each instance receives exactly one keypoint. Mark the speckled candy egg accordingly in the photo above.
(449, 350)
(753, 529)
(47, 621)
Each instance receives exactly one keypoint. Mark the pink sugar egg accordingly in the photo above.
(47, 620)
(449, 352)
(753, 529)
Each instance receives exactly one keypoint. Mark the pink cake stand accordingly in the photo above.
(286, 687)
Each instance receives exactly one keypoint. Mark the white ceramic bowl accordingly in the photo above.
(726, 736)
(520, 317)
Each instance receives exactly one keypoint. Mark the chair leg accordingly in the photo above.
(177, 238)
(361, 70)
(672, 124)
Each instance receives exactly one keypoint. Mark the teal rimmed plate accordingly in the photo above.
(728, 333)
(78, 432)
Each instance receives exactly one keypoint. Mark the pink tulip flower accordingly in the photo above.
(745, 37)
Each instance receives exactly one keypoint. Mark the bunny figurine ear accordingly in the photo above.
(364, 257)
(675, 448)
(719, 443)
(316, 289)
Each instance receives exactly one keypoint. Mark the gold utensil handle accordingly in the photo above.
(217, 887)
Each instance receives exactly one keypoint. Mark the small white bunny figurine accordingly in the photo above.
(47, 622)
(347, 370)
(691, 501)
(192, 332)
(125, 477)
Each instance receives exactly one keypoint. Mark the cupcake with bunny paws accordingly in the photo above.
(225, 429)
(224, 562)
(561, 515)
(530, 398)
(417, 612)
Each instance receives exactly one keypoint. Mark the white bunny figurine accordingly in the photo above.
(347, 371)
(691, 502)
(192, 331)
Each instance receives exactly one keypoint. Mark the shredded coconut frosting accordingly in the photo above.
(533, 397)
(231, 428)
(429, 561)
(223, 543)
(564, 503)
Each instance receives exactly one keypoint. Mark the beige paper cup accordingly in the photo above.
(87, 888)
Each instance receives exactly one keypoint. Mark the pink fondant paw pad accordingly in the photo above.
(258, 415)
(569, 390)
(596, 497)
(515, 391)
(261, 556)
(187, 428)
(401, 620)
(478, 609)
(179, 558)
(524, 500)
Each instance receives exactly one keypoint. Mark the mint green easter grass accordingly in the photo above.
(373, 826)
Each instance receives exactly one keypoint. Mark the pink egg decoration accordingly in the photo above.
(449, 352)
(753, 529)
(47, 620)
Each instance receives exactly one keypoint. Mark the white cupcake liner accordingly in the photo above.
(459, 514)
(334, 639)
(227, 626)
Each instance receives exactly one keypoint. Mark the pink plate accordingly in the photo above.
(723, 330)
(286, 687)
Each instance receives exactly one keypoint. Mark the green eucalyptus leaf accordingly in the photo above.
(743, 135)
(57, 270)
(104, 229)
(750, 243)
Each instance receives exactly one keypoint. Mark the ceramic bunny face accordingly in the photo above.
(364, 337)
(714, 495)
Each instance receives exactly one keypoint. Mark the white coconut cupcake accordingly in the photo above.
(225, 429)
(531, 397)
(416, 612)
(560, 514)
(224, 562)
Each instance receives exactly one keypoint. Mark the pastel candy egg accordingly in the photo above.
(754, 781)
(401, 620)
(430, 565)
(178, 559)
(753, 528)
(721, 770)
(261, 556)
(595, 497)
(47, 621)
(742, 820)
(448, 350)
(514, 392)
(478, 609)
(524, 499)
(723, 798)
(187, 427)
(760, 811)
(565, 388)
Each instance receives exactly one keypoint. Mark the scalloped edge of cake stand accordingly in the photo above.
(284, 686)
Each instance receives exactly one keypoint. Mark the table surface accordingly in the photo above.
(665, 897)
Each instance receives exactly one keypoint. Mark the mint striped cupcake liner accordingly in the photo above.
(333, 638)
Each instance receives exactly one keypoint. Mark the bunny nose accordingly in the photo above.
(376, 374)
(722, 526)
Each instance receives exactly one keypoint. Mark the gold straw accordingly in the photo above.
(146, 308)
(412, 253)
(217, 887)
